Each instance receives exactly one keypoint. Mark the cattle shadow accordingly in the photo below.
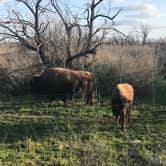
(64, 124)
(32, 102)
(56, 126)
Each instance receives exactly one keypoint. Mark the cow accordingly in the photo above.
(122, 99)
(63, 83)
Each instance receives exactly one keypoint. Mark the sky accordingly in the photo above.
(150, 13)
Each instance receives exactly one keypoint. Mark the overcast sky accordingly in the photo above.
(148, 12)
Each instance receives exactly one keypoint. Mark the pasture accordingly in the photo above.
(36, 35)
(32, 133)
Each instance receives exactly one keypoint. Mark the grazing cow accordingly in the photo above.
(63, 83)
(122, 99)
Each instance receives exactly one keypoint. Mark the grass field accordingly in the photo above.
(32, 134)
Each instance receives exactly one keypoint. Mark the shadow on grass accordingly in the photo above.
(61, 127)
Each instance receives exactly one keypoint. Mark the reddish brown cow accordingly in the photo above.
(122, 99)
(63, 83)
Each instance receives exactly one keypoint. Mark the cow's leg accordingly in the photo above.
(90, 100)
(51, 102)
(123, 120)
(85, 92)
(87, 98)
(129, 114)
(64, 99)
(90, 93)
(117, 118)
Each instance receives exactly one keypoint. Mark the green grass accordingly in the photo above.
(31, 133)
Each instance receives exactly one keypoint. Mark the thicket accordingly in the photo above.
(139, 65)
(134, 64)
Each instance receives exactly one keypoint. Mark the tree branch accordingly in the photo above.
(82, 54)
(27, 5)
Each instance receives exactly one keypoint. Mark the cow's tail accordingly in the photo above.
(95, 84)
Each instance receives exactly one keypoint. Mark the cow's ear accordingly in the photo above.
(35, 78)
(124, 100)
(129, 101)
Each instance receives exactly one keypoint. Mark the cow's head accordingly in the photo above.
(123, 110)
(35, 84)
(89, 91)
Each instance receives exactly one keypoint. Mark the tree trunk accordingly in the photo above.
(42, 55)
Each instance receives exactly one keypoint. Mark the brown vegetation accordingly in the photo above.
(112, 64)
(134, 64)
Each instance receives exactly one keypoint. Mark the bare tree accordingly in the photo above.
(89, 35)
(84, 33)
(142, 33)
(145, 30)
(28, 32)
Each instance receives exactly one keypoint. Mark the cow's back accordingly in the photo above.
(122, 93)
(58, 80)
(125, 90)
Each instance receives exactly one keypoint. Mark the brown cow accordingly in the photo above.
(63, 83)
(87, 81)
(122, 99)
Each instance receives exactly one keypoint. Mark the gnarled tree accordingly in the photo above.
(89, 35)
(28, 32)
(86, 32)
